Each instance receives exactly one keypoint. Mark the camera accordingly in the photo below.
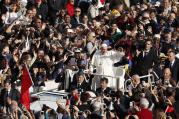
(166, 82)
(42, 112)
(45, 108)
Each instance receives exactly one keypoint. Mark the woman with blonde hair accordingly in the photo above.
(159, 114)
(13, 13)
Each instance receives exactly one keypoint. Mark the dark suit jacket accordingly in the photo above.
(165, 46)
(174, 69)
(107, 91)
(142, 64)
(74, 22)
(43, 11)
(84, 86)
(13, 94)
(54, 7)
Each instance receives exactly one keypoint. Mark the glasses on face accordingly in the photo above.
(145, 18)
(29, 13)
(77, 11)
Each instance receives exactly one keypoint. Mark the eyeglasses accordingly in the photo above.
(29, 13)
(77, 11)
(145, 18)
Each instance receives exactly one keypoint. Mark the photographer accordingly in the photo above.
(167, 79)
(39, 69)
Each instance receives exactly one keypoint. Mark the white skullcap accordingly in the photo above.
(104, 45)
(144, 102)
(157, 36)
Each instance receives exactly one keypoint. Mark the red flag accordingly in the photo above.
(26, 83)
(169, 109)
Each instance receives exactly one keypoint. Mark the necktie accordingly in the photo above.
(78, 86)
(7, 94)
(171, 64)
(145, 54)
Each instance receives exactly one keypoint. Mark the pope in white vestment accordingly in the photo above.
(103, 61)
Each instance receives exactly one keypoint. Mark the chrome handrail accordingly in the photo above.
(144, 76)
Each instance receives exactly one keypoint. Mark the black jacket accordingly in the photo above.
(107, 91)
(83, 87)
(13, 95)
(42, 10)
(75, 22)
(174, 69)
(142, 64)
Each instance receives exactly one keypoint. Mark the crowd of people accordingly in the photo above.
(81, 44)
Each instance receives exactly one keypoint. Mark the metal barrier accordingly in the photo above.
(119, 77)
(150, 79)
(48, 98)
(120, 72)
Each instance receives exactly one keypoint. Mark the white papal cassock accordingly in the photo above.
(104, 66)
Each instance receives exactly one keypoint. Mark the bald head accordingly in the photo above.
(135, 79)
(167, 73)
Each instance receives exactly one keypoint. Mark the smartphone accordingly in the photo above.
(131, 104)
